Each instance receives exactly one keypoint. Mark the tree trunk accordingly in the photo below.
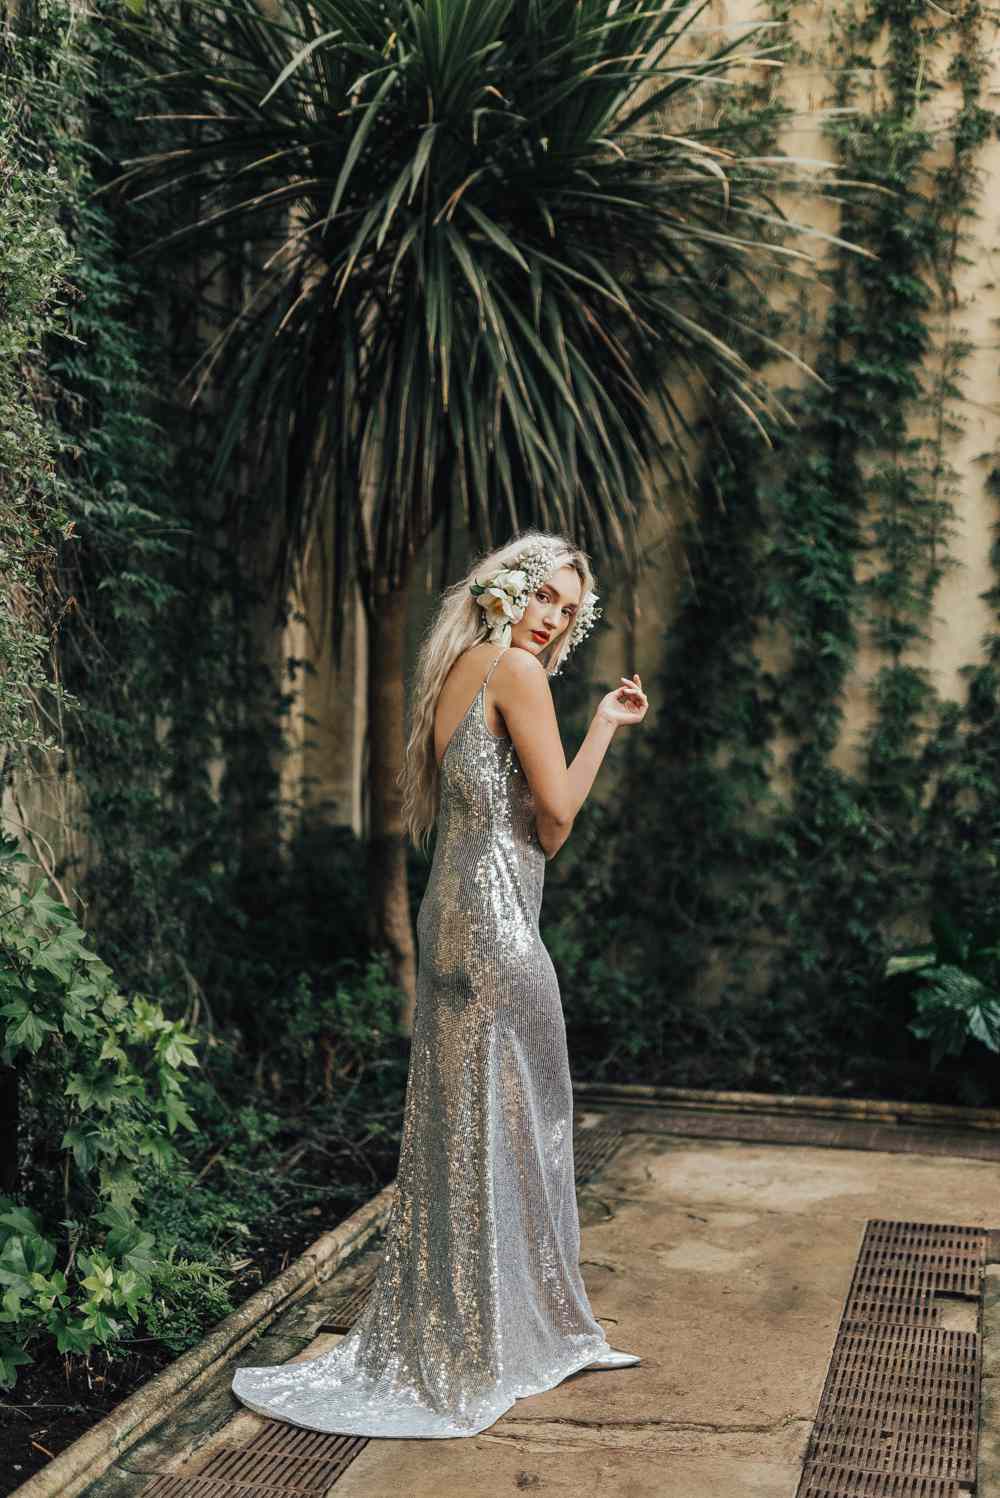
(389, 922)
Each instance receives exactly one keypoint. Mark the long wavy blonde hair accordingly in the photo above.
(458, 624)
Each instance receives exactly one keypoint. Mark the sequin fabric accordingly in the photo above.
(478, 1300)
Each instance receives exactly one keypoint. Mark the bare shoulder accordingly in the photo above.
(520, 680)
(520, 665)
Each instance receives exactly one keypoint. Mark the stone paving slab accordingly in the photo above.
(724, 1264)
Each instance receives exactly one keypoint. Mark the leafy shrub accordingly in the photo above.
(186, 1296)
(101, 1079)
(339, 1037)
(954, 982)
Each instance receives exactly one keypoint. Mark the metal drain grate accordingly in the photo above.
(345, 1309)
(593, 1147)
(831, 1133)
(283, 1459)
(831, 1481)
(899, 1410)
(935, 1255)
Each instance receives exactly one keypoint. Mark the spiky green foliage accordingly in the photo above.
(480, 231)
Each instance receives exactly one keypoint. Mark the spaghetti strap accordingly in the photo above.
(490, 671)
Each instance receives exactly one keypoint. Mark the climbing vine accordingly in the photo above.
(782, 859)
(33, 295)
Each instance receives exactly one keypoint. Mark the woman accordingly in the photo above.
(478, 1299)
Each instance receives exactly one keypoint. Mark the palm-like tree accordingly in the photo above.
(481, 230)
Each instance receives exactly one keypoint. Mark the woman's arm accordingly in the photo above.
(580, 776)
(522, 692)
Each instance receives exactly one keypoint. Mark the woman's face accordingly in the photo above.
(550, 610)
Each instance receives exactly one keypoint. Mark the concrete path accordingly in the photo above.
(724, 1264)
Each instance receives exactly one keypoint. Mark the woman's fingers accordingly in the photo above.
(631, 694)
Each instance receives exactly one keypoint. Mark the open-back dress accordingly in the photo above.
(478, 1300)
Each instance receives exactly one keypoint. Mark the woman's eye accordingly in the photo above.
(545, 598)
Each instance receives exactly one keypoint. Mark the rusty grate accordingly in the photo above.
(899, 1410)
(830, 1133)
(831, 1481)
(944, 1258)
(345, 1309)
(903, 1266)
(924, 1367)
(906, 1443)
(283, 1459)
(594, 1147)
(868, 1307)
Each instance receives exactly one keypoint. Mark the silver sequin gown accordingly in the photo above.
(479, 1299)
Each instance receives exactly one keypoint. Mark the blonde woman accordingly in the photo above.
(479, 1299)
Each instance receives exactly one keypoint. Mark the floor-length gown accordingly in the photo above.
(478, 1300)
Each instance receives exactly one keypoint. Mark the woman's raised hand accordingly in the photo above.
(627, 704)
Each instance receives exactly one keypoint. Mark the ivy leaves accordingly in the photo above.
(111, 1069)
(78, 1308)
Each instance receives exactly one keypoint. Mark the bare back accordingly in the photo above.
(459, 692)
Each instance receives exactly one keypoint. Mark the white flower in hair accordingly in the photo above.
(503, 599)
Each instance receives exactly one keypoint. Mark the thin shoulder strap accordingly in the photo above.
(490, 671)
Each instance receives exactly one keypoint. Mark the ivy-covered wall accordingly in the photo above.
(822, 774)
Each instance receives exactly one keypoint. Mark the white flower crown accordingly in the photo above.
(503, 596)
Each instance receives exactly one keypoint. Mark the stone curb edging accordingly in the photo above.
(634, 1094)
(99, 1448)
